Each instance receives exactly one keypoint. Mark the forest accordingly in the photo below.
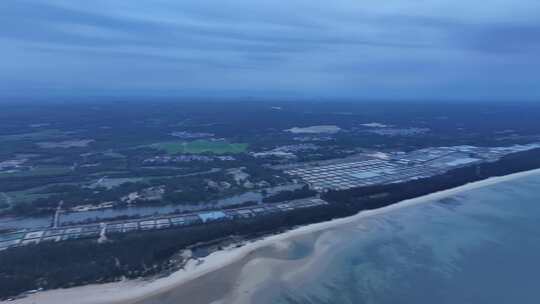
(73, 263)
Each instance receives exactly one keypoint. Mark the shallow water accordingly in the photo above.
(482, 246)
(27, 222)
(139, 211)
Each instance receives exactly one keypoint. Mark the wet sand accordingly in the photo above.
(198, 290)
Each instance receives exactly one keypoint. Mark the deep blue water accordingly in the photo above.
(482, 246)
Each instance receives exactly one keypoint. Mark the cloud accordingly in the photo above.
(345, 48)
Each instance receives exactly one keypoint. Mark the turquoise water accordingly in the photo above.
(482, 246)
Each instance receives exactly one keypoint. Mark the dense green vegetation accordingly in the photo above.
(377, 196)
(141, 254)
(290, 195)
(121, 141)
(132, 255)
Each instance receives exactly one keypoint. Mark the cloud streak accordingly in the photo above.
(438, 49)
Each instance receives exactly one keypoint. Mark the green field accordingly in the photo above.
(201, 146)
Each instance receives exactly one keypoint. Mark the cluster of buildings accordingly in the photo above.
(397, 167)
(162, 222)
(165, 159)
(286, 151)
(362, 170)
(400, 132)
(191, 135)
(349, 175)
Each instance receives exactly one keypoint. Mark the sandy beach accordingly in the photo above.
(234, 264)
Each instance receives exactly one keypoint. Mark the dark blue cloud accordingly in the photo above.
(438, 49)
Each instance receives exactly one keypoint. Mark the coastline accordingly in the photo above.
(138, 290)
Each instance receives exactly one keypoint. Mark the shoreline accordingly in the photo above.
(138, 290)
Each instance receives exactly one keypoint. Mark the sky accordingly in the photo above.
(360, 49)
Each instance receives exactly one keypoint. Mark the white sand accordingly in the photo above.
(130, 291)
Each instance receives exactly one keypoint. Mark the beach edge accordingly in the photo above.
(130, 291)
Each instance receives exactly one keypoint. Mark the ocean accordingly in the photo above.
(480, 246)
